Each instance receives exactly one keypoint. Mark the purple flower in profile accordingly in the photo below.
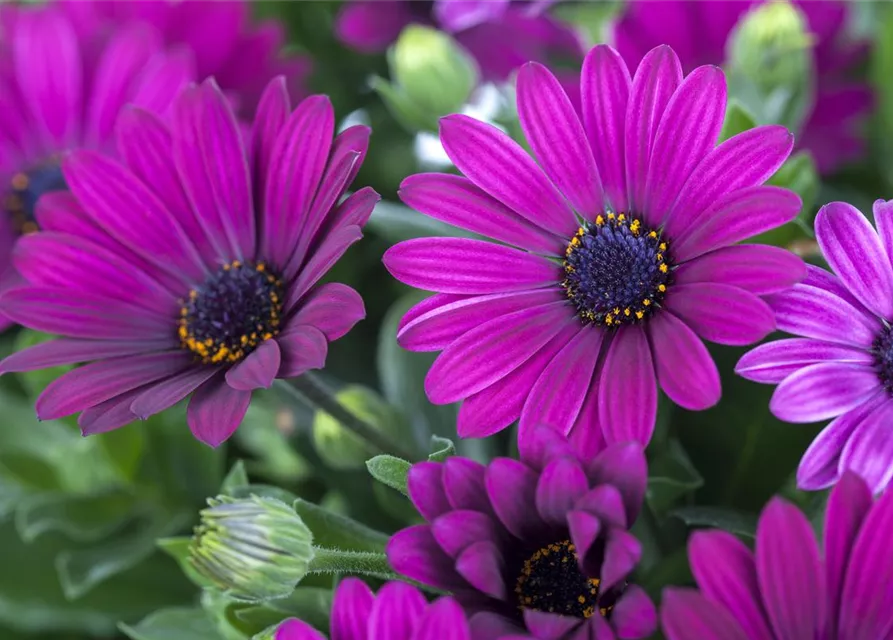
(540, 545)
(219, 37)
(500, 34)
(788, 589)
(398, 610)
(193, 266)
(61, 89)
(841, 366)
(627, 232)
(699, 31)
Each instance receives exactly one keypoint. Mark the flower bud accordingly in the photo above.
(255, 548)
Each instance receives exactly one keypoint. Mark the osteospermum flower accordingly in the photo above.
(541, 544)
(626, 251)
(842, 365)
(500, 34)
(192, 267)
(699, 32)
(788, 589)
(61, 89)
(398, 610)
(219, 37)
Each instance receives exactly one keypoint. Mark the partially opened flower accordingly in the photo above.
(841, 366)
(398, 610)
(626, 255)
(699, 33)
(500, 34)
(60, 90)
(220, 38)
(540, 545)
(193, 266)
(788, 589)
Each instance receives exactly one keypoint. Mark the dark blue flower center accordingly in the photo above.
(551, 580)
(25, 188)
(616, 270)
(232, 312)
(883, 357)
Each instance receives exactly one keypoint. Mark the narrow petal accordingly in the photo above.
(559, 486)
(556, 136)
(351, 609)
(774, 361)
(584, 528)
(463, 265)
(458, 202)
(606, 85)
(822, 391)
(869, 451)
(257, 370)
(855, 253)
(396, 612)
(216, 410)
(456, 530)
(623, 467)
(721, 313)
(686, 614)
(166, 393)
(685, 369)
(511, 487)
(634, 615)
(655, 81)
(738, 216)
(745, 160)
(726, 573)
(323, 259)
(815, 313)
(372, 27)
(415, 553)
(883, 220)
(463, 483)
(302, 348)
(823, 279)
(425, 485)
(627, 394)
(444, 620)
(756, 268)
(687, 132)
(622, 553)
(294, 629)
(789, 571)
(482, 566)
(272, 113)
(71, 351)
(333, 308)
(356, 210)
(493, 350)
(459, 15)
(499, 166)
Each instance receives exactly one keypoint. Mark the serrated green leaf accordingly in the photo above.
(173, 624)
(442, 448)
(737, 522)
(339, 531)
(390, 471)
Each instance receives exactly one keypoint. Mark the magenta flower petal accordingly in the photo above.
(215, 410)
(854, 251)
(414, 552)
(822, 391)
(302, 349)
(755, 268)
(511, 487)
(351, 609)
(482, 565)
(257, 370)
(371, 27)
(457, 15)
(297, 630)
(444, 620)
(721, 313)
(554, 131)
(168, 392)
(272, 113)
(883, 220)
(685, 370)
(821, 279)
(499, 166)
(561, 482)
(605, 84)
(774, 361)
(396, 612)
(628, 373)
(111, 414)
(634, 615)
(72, 351)
(869, 451)
(324, 258)
(687, 615)
(655, 81)
(457, 530)
(425, 485)
(464, 484)
(333, 308)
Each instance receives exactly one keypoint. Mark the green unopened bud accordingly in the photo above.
(340, 448)
(254, 549)
(772, 49)
(432, 76)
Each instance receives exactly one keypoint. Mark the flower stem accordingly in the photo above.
(312, 391)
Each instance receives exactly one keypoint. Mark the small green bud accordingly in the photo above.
(254, 549)
(432, 76)
(342, 449)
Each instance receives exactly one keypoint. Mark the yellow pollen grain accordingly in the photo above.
(599, 220)
(663, 269)
(19, 182)
(662, 287)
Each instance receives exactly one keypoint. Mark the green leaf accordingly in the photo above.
(82, 518)
(395, 223)
(738, 119)
(310, 604)
(256, 619)
(737, 522)
(442, 449)
(391, 471)
(671, 475)
(178, 549)
(799, 174)
(124, 449)
(235, 479)
(339, 531)
(881, 72)
(173, 624)
(265, 434)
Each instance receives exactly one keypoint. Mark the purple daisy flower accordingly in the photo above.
(398, 610)
(219, 37)
(500, 34)
(627, 257)
(698, 32)
(541, 544)
(788, 589)
(842, 365)
(61, 89)
(192, 267)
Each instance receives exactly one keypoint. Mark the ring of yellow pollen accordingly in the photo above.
(551, 580)
(616, 271)
(232, 312)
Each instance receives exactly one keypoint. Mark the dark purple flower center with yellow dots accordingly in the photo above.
(24, 190)
(883, 357)
(550, 580)
(232, 312)
(616, 270)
